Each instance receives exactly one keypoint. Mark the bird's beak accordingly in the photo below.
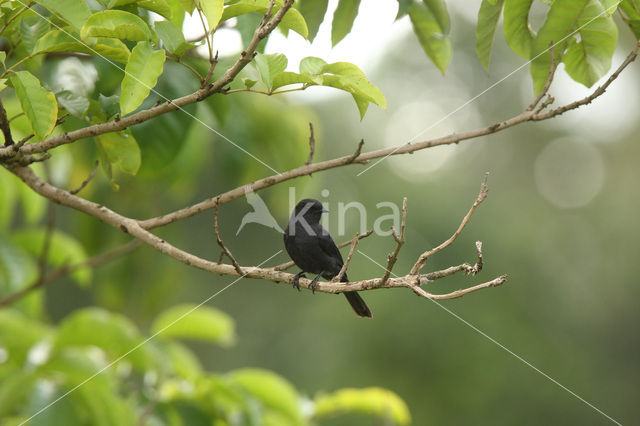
(325, 210)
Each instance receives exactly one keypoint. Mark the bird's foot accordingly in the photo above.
(314, 283)
(296, 280)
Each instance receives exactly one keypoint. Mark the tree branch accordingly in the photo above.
(312, 145)
(391, 257)
(343, 270)
(4, 126)
(224, 248)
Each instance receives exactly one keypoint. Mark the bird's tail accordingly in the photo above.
(357, 303)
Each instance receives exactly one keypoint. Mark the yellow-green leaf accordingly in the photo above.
(488, 17)
(76, 12)
(212, 10)
(60, 41)
(204, 323)
(38, 104)
(122, 150)
(431, 34)
(372, 401)
(116, 24)
(141, 75)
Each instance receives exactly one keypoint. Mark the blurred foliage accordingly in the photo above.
(206, 366)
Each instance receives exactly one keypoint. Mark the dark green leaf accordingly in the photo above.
(343, 18)
(31, 29)
(403, 8)
(38, 104)
(172, 38)
(75, 104)
(488, 17)
(122, 150)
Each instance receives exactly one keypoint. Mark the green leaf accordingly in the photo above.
(439, 10)
(116, 24)
(610, 6)
(634, 26)
(372, 401)
(141, 75)
(431, 34)
(348, 77)
(292, 20)
(109, 104)
(113, 333)
(18, 332)
(33, 205)
(403, 8)
(3, 84)
(517, 31)
(76, 12)
(60, 41)
(273, 392)
(188, 5)
(3, 56)
(161, 7)
(38, 104)
(270, 66)
(122, 150)
(488, 17)
(183, 362)
(110, 4)
(312, 65)
(17, 268)
(343, 18)
(9, 185)
(63, 250)
(286, 78)
(75, 104)
(204, 323)
(313, 12)
(587, 60)
(31, 29)
(172, 38)
(212, 10)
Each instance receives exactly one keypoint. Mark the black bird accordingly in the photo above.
(312, 249)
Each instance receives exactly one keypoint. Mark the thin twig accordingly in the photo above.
(67, 269)
(424, 256)
(87, 180)
(13, 18)
(459, 293)
(312, 145)
(345, 265)
(224, 248)
(356, 154)
(547, 84)
(208, 34)
(392, 257)
(212, 66)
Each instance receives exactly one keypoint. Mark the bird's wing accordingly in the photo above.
(329, 247)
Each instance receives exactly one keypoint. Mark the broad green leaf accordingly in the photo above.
(38, 104)
(292, 20)
(110, 4)
(271, 390)
(204, 323)
(172, 38)
(517, 31)
(285, 78)
(109, 104)
(439, 10)
(343, 18)
(60, 41)
(63, 250)
(188, 5)
(372, 401)
(312, 65)
(3, 84)
(432, 35)
(183, 362)
(634, 26)
(18, 332)
(177, 13)
(122, 150)
(116, 24)
(270, 66)
(31, 29)
(403, 8)
(488, 17)
(587, 60)
(3, 56)
(113, 333)
(75, 104)
(313, 12)
(161, 7)
(212, 10)
(141, 75)
(76, 12)
(609, 6)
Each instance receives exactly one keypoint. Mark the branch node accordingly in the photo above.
(224, 248)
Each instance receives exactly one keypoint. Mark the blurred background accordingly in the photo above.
(560, 220)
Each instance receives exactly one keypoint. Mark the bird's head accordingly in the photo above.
(310, 210)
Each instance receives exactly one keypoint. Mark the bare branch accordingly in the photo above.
(356, 154)
(343, 270)
(459, 293)
(224, 248)
(424, 256)
(87, 180)
(213, 62)
(547, 84)
(391, 257)
(312, 145)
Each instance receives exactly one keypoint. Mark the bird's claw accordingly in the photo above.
(296, 280)
(314, 284)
